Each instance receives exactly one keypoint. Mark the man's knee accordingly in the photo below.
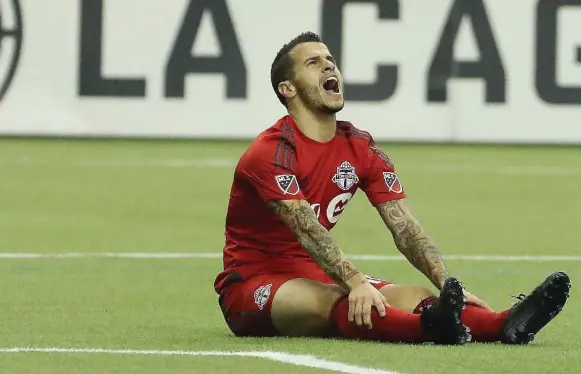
(422, 292)
(405, 297)
(301, 307)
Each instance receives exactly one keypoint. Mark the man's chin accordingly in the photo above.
(332, 108)
(332, 104)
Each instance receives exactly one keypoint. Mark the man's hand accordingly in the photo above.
(362, 299)
(473, 300)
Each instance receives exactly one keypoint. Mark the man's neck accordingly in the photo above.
(319, 127)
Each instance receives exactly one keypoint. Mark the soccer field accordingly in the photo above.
(109, 249)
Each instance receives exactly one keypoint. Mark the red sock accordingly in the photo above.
(485, 325)
(396, 326)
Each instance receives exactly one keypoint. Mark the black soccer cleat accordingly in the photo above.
(533, 312)
(441, 320)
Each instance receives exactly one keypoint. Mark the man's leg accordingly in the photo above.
(303, 307)
(520, 323)
(485, 325)
(516, 325)
(270, 305)
(309, 316)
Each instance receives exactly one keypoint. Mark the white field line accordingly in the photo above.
(288, 358)
(217, 255)
(553, 170)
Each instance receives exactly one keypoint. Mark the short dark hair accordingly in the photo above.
(282, 66)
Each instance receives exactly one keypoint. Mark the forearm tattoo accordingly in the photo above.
(412, 241)
(315, 239)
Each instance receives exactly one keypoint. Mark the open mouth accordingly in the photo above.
(331, 85)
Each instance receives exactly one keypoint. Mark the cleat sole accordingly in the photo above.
(452, 300)
(542, 308)
(442, 319)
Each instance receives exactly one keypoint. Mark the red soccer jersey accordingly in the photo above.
(284, 164)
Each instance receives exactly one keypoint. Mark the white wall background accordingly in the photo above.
(138, 36)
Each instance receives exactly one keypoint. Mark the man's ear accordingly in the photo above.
(287, 89)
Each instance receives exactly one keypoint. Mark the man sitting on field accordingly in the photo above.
(283, 272)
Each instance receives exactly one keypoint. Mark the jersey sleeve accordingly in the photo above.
(381, 183)
(269, 169)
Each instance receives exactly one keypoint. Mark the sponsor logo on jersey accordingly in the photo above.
(261, 295)
(337, 206)
(345, 177)
(392, 182)
(333, 210)
(288, 184)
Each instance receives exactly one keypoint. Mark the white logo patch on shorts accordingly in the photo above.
(261, 295)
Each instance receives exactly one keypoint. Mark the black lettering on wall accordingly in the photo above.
(386, 82)
(489, 67)
(230, 62)
(546, 55)
(92, 82)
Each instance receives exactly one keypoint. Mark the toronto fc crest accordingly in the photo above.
(261, 296)
(345, 177)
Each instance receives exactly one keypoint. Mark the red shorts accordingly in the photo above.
(246, 304)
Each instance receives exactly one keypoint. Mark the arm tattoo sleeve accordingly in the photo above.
(412, 241)
(316, 240)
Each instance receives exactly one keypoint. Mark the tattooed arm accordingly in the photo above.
(412, 241)
(316, 240)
